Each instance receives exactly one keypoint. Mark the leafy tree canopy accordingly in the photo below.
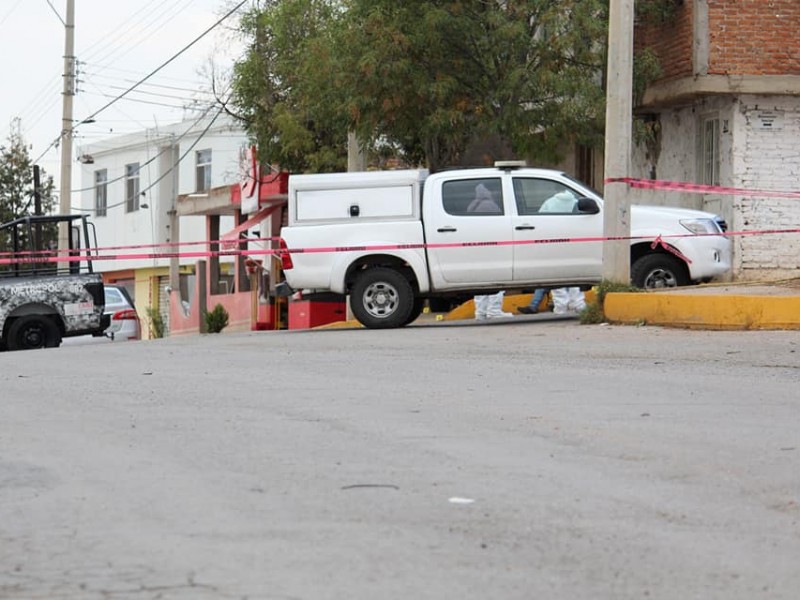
(423, 77)
(16, 183)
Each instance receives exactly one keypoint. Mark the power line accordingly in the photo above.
(151, 74)
(56, 12)
(163, 175)
(186, 132)
(11, 10)
(184, 49)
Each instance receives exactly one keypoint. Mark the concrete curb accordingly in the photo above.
(691, 310)
(710, 311)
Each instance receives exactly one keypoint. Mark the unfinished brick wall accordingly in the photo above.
(671, 41)
(745, 37)
(754, 37)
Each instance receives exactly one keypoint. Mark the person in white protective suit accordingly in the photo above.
(567, 299)
(488, 306)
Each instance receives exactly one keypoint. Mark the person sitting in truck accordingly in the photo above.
(562, 202)
(484, 202)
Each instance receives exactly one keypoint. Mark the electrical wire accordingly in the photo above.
(141, 81)
(10, 10)
(179, 53)
(163, 150)
(167, 172)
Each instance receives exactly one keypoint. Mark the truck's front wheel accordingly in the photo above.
(31, 332)
(382, 298)
(655, 271)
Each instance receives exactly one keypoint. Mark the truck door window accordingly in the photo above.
(473, 197)
(543, 196)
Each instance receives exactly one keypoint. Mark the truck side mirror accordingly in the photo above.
(587, 206)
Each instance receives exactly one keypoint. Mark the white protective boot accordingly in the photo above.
(481, 307)
(560, 300)
(566, 300)
(495, 308)
(577, 300)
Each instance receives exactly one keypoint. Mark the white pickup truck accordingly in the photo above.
(390, 239)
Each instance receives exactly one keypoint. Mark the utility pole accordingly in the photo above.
(65, 196)
(619, 111)
(37, 207)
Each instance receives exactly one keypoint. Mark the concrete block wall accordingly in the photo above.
(767, 157)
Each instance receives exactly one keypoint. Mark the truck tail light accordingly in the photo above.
(286, 257)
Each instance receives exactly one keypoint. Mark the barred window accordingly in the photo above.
(101, 193)
(132, 187)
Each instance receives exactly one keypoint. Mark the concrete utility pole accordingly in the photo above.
(619, 109)
(65, 196)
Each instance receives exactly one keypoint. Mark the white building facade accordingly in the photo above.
(130, 187)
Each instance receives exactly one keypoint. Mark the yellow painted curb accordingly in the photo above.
(704, 311)
(351, 324)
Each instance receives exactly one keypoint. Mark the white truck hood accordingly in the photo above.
(670, 211)
(643, 216)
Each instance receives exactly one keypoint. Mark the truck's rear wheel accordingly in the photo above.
(31, 332)
(382, 298)
(655, 271)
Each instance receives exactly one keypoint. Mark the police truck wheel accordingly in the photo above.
(29, 333)
(656, 271)
(382, 298)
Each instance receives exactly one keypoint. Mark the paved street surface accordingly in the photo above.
(533, 459)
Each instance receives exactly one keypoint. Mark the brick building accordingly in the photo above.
(726, 111)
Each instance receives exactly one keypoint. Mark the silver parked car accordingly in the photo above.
(125, 323)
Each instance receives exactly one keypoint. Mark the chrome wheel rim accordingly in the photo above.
(660, 278)
(380, 299)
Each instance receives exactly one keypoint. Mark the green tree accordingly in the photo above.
(16, 184)
(426, 77)
(283, 95)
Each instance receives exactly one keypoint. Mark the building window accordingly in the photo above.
(101, 193)
(708, 154)
(203, 182)
(132, 187)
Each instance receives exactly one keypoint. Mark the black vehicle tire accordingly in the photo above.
(416, 310)
(32, 332)
(656, 271)
(382, 298)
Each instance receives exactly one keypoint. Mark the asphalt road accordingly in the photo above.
(527, 460)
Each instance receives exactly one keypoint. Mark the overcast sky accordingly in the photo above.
(118, 43)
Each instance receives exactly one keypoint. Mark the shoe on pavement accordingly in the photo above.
(480, 316)
(527, 310)
(499, 315)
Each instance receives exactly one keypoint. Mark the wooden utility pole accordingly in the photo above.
(619, 109)
(65, 196)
